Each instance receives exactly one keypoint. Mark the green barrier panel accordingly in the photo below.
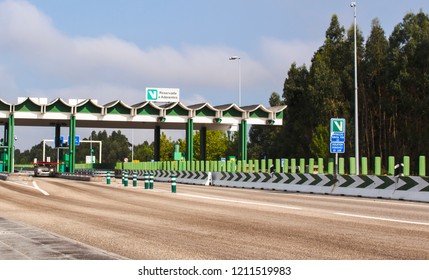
(352, 164)
(311, 166)
(331, 163)
(263, 165)
(422, 166)
(286, 165)
(320, 166)
(293, 165)
(278, 166)
(406, 166)
(239, 163)
(341, 169)
(250, 168)
(364, 166)
(377, 166)
(391, 166)
(302, 165)
(270, 165)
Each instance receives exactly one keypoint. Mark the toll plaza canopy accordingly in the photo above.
(58, 113)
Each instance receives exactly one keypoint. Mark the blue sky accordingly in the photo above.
(110, 49)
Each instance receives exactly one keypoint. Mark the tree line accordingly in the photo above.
(393, 92)
(116, 148)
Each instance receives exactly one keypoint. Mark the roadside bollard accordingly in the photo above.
(146, 180)
(108, 178)
(123, 177)
(134, 179)
(126, 180)
(173, 183)
(151, 180)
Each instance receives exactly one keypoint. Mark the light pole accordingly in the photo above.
(353, 5)
(239, 77)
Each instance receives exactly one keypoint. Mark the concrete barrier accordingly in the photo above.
(412, 188)
(183, 177)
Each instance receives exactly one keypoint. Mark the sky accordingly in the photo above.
(109, 49)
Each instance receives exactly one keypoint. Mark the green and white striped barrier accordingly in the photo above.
(413, 188)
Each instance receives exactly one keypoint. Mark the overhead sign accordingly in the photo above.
(163, 94)
(76, 140)
(337, 136)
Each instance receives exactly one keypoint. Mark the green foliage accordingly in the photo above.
(217, 145)
(319, 147)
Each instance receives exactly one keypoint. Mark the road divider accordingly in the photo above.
(412, 188)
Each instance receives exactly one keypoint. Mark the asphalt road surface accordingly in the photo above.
(201, 222)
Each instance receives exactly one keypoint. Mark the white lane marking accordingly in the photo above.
(35, 186)
(357, 199)
(382, 219)
(39, 189)
(241, 201)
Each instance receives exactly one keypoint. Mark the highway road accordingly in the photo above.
(200, 222)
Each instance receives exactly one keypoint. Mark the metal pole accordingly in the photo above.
(239, 82)
(353, 4)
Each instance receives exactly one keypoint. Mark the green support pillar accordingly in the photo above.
(243, 140)
(190, 140)
(72, 146)
(11, 143)
(157, 143)
(57, 135)
(203, 143)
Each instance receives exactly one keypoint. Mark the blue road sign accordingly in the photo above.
(76, 140)
(337, 147)
(338, 137)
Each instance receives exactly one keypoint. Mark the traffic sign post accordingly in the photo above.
(337, 137)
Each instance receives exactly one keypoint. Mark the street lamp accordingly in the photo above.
(239, 77)
(353, 5)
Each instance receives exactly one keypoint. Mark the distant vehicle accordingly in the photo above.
(44, 169)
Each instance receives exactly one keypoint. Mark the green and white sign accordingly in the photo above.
(162, 94)
(338, 125)
(337, 135)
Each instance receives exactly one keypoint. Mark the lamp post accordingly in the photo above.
(353, 5)
(239, 77)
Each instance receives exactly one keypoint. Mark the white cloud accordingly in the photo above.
(30, 37)
(7, 83)
(109, 68)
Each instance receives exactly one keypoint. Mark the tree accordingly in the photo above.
(264, 140)
(374, 94)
